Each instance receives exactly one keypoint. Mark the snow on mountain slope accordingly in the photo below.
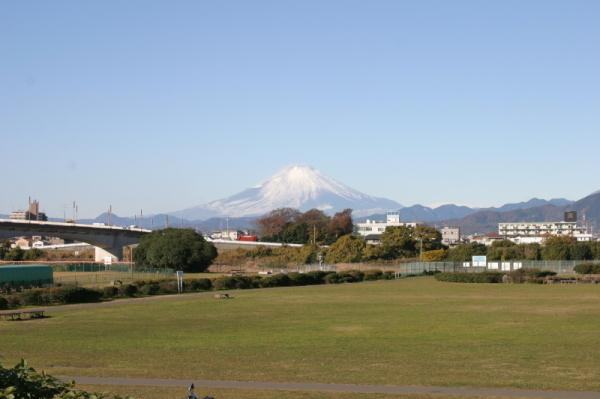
(300, 187)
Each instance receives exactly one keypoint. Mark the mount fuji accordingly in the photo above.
(299, 187)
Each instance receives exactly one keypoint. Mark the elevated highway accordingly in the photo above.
(110, 239)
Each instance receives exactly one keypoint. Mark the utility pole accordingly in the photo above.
(109, 214)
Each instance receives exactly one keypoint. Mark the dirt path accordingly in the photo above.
(338, 388)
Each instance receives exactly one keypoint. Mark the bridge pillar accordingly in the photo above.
(101, 254)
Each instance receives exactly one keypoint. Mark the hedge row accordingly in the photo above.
(62, 295)
(587, 268)
(535, 276)
(485, 277)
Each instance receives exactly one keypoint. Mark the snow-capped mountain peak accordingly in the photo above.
(297, 186)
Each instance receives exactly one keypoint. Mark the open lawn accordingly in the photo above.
(415, 331)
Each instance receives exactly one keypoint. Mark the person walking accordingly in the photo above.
(191, 394)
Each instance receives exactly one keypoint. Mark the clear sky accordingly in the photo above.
(165, 105)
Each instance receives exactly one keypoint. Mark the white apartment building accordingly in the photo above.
(376, 228)
(535, 232)
(450, 235)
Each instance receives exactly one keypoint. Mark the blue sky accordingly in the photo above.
(164, 105)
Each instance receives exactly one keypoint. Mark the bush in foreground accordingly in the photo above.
(23, 382)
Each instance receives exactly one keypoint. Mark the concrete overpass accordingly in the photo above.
(108, 240)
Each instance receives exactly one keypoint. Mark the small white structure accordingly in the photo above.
(450, 235)
(374, 227)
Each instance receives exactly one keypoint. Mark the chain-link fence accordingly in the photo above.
(97, 274)
(558, 266)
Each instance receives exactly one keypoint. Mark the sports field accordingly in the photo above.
(415, 331)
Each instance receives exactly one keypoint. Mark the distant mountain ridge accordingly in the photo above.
(485, 221)
(424, 214)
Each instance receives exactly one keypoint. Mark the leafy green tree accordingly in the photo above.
(464, 253)
(557, 248)
(4, 248)
(398, 242)
(346, 249)
(33, 254)
(180, 249)
(15, 254)
(531, 251)
(581, 251)
(373, 252)
(297, 233)
(431, 238)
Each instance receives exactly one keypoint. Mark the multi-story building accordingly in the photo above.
(371, 229)
(532, 232)
(450, 235)
(33, 213)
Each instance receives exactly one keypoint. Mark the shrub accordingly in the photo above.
(3, 303)
(76, 295)
(110, 292)
(587, 268)
(299, 279)
(14, 301)
(351, 276)
(150, 288)
(201, 284)
(128, 290)
(233, 282)
(22, 382)
(485, 277)
(37, 297)
(167, 287)
(388, 275)
(373, 275)
(332, 278)
(277, 280)
(317, 276)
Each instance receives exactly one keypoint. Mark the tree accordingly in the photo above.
(581, 251)
(316, 222)
(431, 238)
(180, 249)
(465, 252)
(273, 223)
(557, 248)
(340, 225)
(435, 255)
(346, 249)
(15, 254)
(33, 254)
(398, 242)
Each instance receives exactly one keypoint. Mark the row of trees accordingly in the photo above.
(422, 242)
(289, 225)
(553, 248)
(17, 254)
(396, 242)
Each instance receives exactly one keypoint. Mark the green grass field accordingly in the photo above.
(407, 332)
